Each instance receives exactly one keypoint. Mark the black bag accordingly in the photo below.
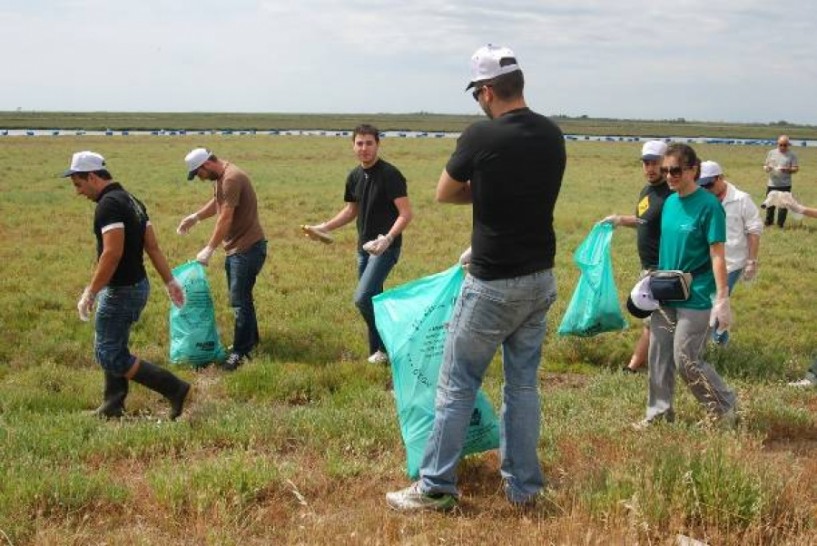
(670, 285)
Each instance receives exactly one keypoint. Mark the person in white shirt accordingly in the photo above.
(743, 224)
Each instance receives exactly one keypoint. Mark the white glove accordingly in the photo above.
(378, 246)
(86, 304)
(175, 292)
(613, 219)
(187, 223)
(787, 201)
(750, 270)
(204, 255)
(465, 257)
(721, 314)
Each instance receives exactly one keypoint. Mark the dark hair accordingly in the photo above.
(685, 155)
(509, 86)
(366, 129)
(101, 173)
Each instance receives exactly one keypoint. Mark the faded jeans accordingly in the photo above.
(118, 308)
(677, 340)
(242, 270)
(372, 272)
(509, 313)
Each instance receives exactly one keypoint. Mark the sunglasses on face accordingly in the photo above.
(475, 93)
(673, 171)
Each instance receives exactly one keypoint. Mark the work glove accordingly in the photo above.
(175, 292)
(613, 219)
(86, 304)
(378, 246)
(465, 257)
(750, 270)
(204, 255)
(721, 315)
(787, 201)
(187, 223)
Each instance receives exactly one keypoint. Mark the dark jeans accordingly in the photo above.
(372, 272)
(118, 308)
(242, 270)
(781, 214)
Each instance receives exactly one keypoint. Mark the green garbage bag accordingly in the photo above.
(594, 307)
(194, 335)
(411, 320)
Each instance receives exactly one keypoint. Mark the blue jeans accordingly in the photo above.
(371, 273)
(117, 309)
(509, 313)
(242, 269)
(733, 278)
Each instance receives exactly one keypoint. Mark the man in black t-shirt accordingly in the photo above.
(119, 286)
(509, 168)
(377, 197)
(647, 221)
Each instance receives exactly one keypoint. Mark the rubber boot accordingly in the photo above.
(165, 383)
(113, 405)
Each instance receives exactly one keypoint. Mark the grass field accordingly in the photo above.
(300, 445)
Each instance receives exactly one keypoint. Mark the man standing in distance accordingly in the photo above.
(377, 197)
(238, 228)
(510, 169)
(780, 164)
(647, 221)
(120, 287)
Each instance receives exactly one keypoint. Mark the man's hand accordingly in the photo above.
(721, 314)
(465, 257)
(750, 270)
(187, 223)
(204, 255)
(175, 292)
(378, 246)
(85, 305)
(613, 219)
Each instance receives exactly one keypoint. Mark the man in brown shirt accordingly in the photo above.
(238, 228)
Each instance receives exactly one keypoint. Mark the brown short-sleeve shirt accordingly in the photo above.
(234, 189)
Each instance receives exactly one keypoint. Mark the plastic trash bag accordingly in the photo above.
(594, 307)
(194, 335)
(411, 319)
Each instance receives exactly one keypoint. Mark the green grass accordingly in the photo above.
(300, 445)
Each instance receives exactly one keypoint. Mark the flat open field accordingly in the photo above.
(300, 445)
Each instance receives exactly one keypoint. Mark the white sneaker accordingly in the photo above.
(379, 357)
(803, 383)
(412, 499)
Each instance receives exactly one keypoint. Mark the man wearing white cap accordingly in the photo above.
(647, 221)
(743, 224)
(780, 165)
(119, 287)
(510, 169)
(238, 229)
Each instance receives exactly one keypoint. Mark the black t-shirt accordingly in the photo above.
(117, 209)
(648, 214)
(374, 190)
(515, 164)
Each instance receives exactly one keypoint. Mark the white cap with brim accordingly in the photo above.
(489, 62)
(196, 159)
(641, 303)
(709, 172)
(653, 150)
(85, 162)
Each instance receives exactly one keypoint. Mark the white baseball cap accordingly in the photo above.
(196, 159)
(709, 172)
(653, 150)
(491, 61)
(85, 162)
(641, 303)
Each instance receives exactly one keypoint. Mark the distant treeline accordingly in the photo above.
(192, 121)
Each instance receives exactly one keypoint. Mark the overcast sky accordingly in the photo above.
(709, 60)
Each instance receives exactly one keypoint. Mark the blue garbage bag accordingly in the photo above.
(594, 307)
(194, 335)
(412, 321)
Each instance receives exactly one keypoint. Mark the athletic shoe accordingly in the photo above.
(233, 362)
(642, 425)
(803, 383)
(378, 357)
(413, 499)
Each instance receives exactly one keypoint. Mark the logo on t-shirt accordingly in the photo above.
(644, 205)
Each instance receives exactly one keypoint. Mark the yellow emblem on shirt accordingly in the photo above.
(643, 206)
